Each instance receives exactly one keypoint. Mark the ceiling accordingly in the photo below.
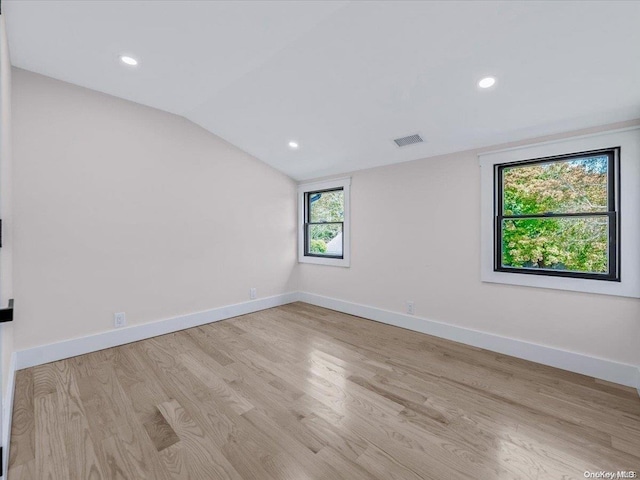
(344, 78)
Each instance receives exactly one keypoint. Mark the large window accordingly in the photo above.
(559, 216)
(324, 222)
(552, 217)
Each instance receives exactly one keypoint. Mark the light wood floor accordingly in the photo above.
(299, 392)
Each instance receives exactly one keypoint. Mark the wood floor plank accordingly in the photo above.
(202, 457)
(143, 391)
(221, 390)
(51, 454)
(26, 471)
(82, 458)
(176, 461)
(22, 449)
(346, 468)
(83, 462)
(160, 432)
(126, 449)
(341, 440)
(201, 338)
(384, 465)
(300, 392)
(296, 461)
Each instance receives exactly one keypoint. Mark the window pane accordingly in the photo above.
(578, 244)
(578, 185)
(326, 206)
(325, 239)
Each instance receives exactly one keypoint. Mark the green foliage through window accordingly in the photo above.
(324, 223)
(558, 215)
(317, 246)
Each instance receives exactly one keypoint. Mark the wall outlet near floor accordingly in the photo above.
(253, 293)
(411, 309)
(119, 320)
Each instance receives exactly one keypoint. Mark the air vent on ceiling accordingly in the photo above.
(410, 140)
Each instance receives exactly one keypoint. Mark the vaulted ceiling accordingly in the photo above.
(343, 79)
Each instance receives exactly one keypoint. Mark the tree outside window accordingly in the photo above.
(557, 216)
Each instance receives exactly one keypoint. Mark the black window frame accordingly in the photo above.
(307, 223)
(612, 212)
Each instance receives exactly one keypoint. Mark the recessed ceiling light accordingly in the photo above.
(487, 82)
(293, 145)
(127, 60)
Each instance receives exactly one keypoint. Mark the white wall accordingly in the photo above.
(416, 236)
(121, 207)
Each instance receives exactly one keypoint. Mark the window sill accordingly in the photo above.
(334, 262)
(560, 283)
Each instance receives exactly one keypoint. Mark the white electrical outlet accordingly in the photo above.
(253, 293)
(119, 320)
(411, 309)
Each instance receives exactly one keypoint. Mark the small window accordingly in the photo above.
(559, 216)
(324, 222)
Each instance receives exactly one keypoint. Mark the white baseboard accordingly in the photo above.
(603, 369)
(7, 415)
(78, 346)
(616, 372)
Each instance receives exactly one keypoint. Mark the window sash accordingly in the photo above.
(307, 224)
(612, 213)
(308, 253)
(612, 253)
(612, 180)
